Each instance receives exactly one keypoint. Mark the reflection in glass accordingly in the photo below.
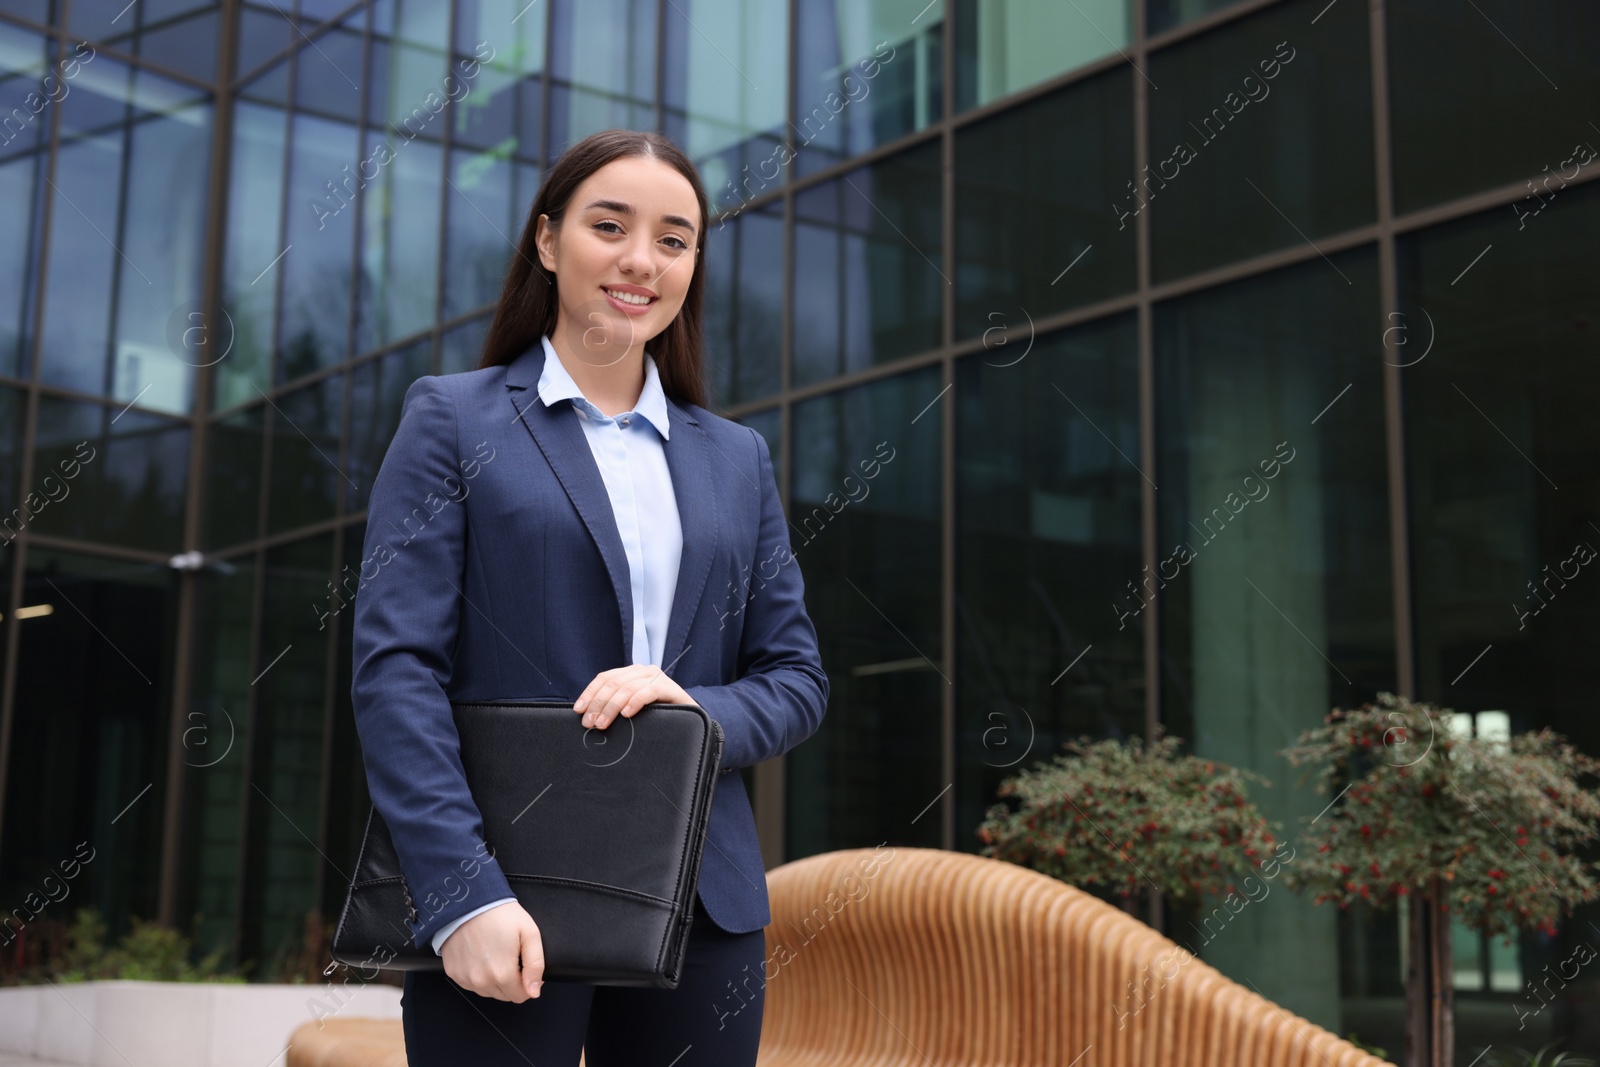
(327, 73)
(1454, 136)
(399, 280)
(462, 347)
(24, 135)
(13, 412)
(725, 83)
(252, 263)
(348, 802)
(89, 732)
(127, 214)
(283, 871)
(864, 527)
(305, 478)
(263, 34)
(743, 318)
(316, 270)
(1163, 15)
(1047, 528)
(867, 283)
(769, 424)
(1033, 233)
(1273, 548)
(869, 73)
(1260, 138)
(119, 477)
(233, 489)
(215, 751)
(1003, 46)
(487, 206)
(1501, 442)
(602, 68)
(138, 28)
(377, 391)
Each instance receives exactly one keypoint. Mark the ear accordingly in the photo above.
(546, 242)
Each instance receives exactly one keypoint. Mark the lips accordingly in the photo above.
(633, 299)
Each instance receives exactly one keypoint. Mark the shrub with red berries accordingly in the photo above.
(1498, 822)
(1130, 817)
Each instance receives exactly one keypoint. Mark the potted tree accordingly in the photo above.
(1130, 817)
(1445, 825)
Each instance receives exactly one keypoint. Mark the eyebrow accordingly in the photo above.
(627, 209)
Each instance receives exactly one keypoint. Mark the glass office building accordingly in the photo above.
(235, 232)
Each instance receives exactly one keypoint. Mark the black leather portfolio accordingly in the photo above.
(598, 832)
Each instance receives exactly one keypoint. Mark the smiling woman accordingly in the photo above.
(578, 569)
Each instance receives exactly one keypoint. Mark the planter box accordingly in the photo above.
(174, 1024)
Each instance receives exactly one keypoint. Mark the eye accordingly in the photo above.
(608, 222)
(679, 245)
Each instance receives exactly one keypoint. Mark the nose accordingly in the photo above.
(635, 257)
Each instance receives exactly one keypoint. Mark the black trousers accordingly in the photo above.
(713, 1018)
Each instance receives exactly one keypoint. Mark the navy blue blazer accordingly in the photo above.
(492, 568)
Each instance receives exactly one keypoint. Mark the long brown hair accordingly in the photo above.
(528, 303)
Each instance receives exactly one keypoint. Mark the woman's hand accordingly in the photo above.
(497, 953)
(624, 691)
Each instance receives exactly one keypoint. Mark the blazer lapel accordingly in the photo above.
(560, 437)
(689, 462)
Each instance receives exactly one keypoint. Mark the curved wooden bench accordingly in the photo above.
(918, 956)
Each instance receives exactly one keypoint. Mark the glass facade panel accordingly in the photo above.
(305, 478)
(255, 253)
(316, 267)
(283, 870)
(215, 749)
(88, 741)
(1033, 235)
(726, 87)
(743, 316)
(864, 526)
(127, 220)
(1501, 125)
(399, 279)
(115, 23)
(377, 391)
(1260, 138)
(233, 491)
(24, 137)
(1163, 15)
(1004, 46)
(462, 347)
(869, 72)
(868, 287)
(122, 476)
(602, 68)
(1501, 439)
(1047, 521)
(264, 33)
(1274, 579)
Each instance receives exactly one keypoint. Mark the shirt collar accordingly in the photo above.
(556, 384)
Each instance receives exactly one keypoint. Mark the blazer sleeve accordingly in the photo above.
(407, 617)
(781, 691)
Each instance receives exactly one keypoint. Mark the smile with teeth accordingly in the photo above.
(628, 298)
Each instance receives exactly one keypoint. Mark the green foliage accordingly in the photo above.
(1128, 816)
(1544, 1057)
(147, 952)
(1496, 823)
(1381, 1053)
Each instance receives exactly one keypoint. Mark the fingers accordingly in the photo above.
(624, 691)
(531, 954)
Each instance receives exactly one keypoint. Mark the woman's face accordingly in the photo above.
(624, 255)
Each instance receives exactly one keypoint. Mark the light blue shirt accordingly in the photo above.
(628, 450)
